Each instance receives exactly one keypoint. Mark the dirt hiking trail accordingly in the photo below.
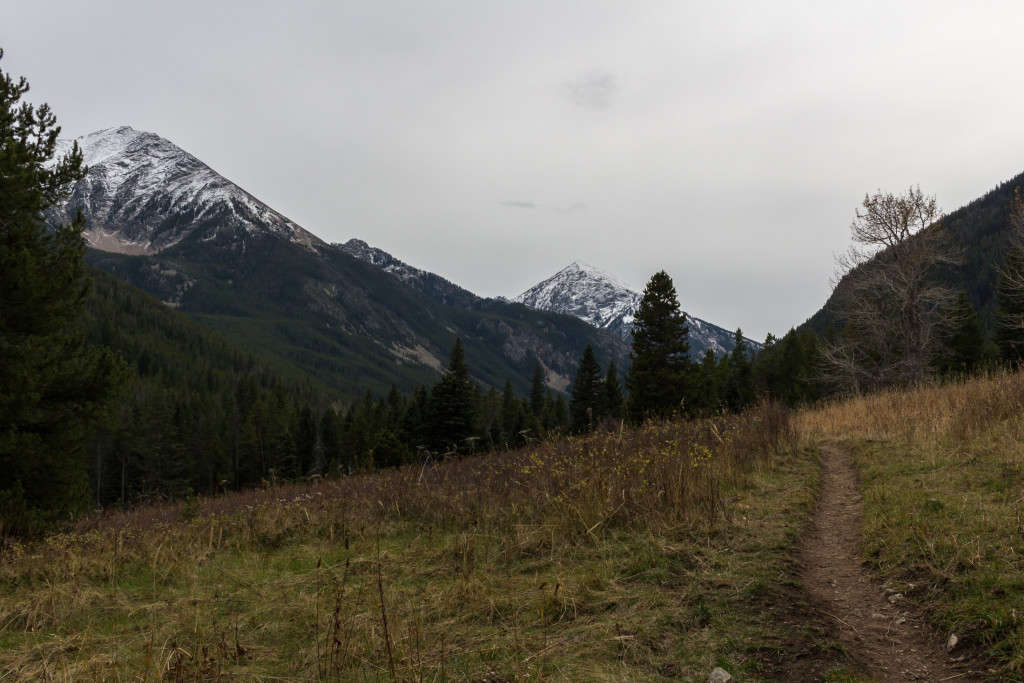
(882, 638)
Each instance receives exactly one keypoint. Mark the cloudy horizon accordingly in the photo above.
(727, 144)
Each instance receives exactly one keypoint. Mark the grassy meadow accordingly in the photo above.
(942, 477)
(633, 555)
(649, 554)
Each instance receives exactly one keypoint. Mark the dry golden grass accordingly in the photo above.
(942, 474)
(635, 555)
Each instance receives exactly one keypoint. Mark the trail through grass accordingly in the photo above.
(942, 477)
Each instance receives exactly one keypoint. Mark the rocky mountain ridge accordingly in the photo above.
(431, 284)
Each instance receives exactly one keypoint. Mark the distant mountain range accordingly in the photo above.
(349, 315)
(606, 302)
(579, 290)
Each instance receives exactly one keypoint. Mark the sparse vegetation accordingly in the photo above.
(639, 554)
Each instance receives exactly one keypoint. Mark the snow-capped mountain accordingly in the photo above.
(143, 194)
(431, 284)
(608, 303)
(587, 293)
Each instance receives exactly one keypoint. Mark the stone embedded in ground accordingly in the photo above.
(720, 675)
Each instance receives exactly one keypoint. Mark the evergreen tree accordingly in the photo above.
(614, 399)
(413, 428)
(787, 369)
(396, 407)
(1009, 327)
(53, 387)
(561, 413)
(706, 399)
(330, 437)
(453, 403)
(549, 419)
(961, 341)
(537, 391)
(767, 367)
(586, 407)
(738, 392)
(306, 439)
(658, 379)
(511, 415)
(489, 419)
(388, 451)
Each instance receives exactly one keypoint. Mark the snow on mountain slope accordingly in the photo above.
(143, 194)
(431, 284)
(587, 293)
(606, 302)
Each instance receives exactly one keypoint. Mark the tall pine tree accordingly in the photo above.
(586, 408)
(614, 399)
(453, 403)
(1009, 328)
(659, 377)
(738, 391)
(52, 386)
(961, 341)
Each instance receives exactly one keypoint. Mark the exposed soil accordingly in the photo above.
(881, 636)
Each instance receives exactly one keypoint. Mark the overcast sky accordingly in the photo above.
(494, 143)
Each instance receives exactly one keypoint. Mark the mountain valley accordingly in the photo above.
(162, 220)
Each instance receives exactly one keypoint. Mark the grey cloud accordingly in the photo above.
(595, 90)
(578, 207)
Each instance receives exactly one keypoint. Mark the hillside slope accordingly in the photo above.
(980, 233)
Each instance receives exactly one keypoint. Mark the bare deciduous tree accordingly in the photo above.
(1009, 327)
(885, 295)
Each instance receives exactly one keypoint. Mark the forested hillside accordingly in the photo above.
(199, 412)
(980, 234)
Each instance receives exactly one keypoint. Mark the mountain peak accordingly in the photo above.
(605, 301)
(102, 144)
(141, 187)
(586, 292)
(596, 274)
